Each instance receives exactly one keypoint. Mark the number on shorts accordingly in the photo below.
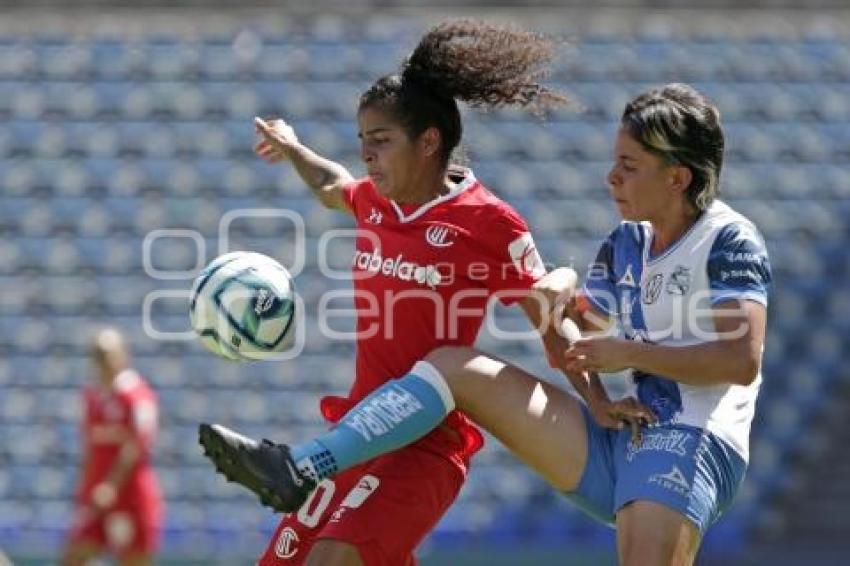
(310, 513)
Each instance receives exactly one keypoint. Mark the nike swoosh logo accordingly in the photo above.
(295, 479)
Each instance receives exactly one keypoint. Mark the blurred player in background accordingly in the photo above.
(119, 506)
(686, 277)
(434, 246)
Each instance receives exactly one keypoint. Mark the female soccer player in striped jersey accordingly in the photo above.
(435, 246)
(686, 278)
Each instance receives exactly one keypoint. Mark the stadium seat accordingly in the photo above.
(171, 60)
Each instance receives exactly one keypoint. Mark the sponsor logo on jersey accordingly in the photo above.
(744, 257)
(524, 254)
(744, 274)
(627, 279)
(364, 488)
(671, 441)
(287, 543)
(679, 281)
(440, 236)
(673, 480)
(398, 267)
(380, 414)
(653, 289)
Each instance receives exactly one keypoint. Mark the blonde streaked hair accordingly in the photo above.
(678, 124)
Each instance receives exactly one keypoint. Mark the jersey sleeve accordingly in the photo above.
(143, 419)
(738, 265)
(515, 263)
(353, 192)
(600, 284)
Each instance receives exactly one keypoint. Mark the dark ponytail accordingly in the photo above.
(477, 63)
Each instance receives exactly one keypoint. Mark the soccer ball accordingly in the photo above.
(242, 307)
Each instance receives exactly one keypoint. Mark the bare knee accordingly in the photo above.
(457, 367)
(329, 552)
(651, 534)
(449, 360)
(649, 547)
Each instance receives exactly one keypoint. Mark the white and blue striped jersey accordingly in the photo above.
(668, 300)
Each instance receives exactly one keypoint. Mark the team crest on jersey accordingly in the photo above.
(440, 236)
(653, 289)
(679, 281)
(287, 543)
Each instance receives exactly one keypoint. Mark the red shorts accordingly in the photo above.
(384, 507)
(121, 531)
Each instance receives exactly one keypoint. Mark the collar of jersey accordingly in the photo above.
(455, 189)
(648, 259)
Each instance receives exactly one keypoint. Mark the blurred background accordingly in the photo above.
(119, 121)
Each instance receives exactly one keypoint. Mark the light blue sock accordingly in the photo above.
(399, 412)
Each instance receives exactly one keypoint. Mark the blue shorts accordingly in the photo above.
(681, 467)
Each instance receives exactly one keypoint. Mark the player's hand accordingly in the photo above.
(276, 137)
(599, 354)
(622, 413)
(557, 288)
(103, 495)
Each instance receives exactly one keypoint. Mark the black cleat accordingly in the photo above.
(263, 467)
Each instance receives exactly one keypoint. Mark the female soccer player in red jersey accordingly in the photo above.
(119, 505)
(435, 246)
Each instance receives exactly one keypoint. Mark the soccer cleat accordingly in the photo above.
(263, 467)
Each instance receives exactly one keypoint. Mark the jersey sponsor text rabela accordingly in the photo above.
(374, 262)
(523, 252)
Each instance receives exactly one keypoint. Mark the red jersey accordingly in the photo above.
(127, 409)
(423, 275)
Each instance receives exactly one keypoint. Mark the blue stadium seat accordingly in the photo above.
(372, 60)
(171, 59)
(17, 60)
(218, 61)
(242, 103)
(114, 58)
(114, 97)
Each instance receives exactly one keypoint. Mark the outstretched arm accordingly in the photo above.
(325, 178)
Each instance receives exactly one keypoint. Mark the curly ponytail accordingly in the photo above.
(481, 64)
